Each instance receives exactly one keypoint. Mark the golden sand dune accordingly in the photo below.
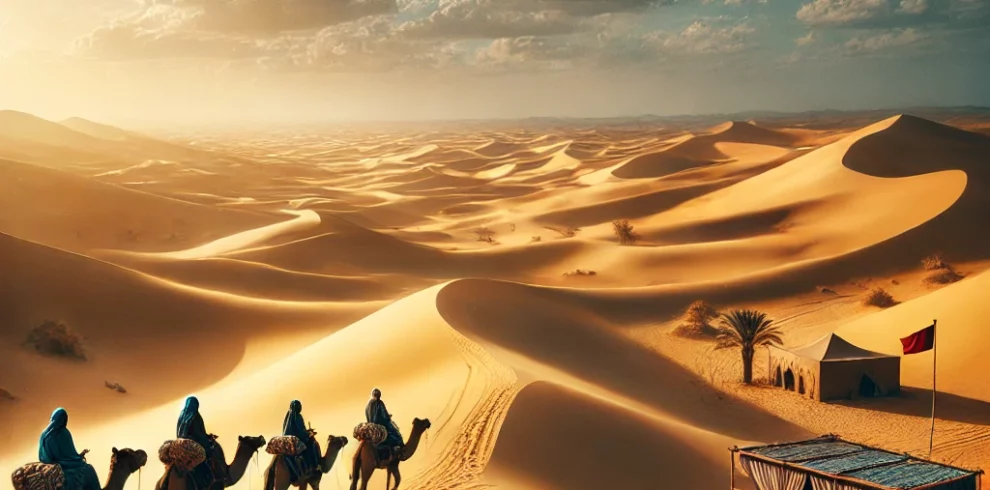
(196, 279)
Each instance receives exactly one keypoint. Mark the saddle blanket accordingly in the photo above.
(182, 454)
(372, 433)
(286, 445)
(38, 476)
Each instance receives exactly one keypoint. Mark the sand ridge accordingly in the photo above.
(438, 265)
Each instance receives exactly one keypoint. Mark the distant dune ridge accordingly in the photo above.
(437, 264)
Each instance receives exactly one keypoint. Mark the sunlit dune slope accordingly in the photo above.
(22, 126)
(557, 438)
(76, 213)
(133, 326)
(961, 310)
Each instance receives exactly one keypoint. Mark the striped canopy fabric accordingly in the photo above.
(831, 463)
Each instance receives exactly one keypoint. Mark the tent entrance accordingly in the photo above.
(867, 388)
(789, 380)
(778, 379)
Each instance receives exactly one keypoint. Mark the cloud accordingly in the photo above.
(805, 40)
(274, 16)
(894, 13)
(702, 37)
(882, 42)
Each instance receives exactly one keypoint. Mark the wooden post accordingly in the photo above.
(732, 468)
(931, 435)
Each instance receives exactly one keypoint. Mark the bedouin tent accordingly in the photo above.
(831, 368)
(830, 463)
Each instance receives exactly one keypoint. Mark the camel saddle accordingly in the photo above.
(38, 476)
(373, 433)
(285, 446)
(182, 454)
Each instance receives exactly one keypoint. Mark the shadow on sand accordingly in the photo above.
(918, 402)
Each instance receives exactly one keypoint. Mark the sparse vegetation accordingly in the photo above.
(536, 238)
(485, 234)
(697, 321)
(943, 276)
(941, 271)
(747, 330)
(625, 231)
(114, 386)
(934, 262)
(825, 290)
(580, 272)
(565, 232)
(56, 339)
(879, 297)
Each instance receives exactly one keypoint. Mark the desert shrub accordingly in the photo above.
(114, 386)
(56, 339)
(485, 234)
(879, 297)
(536, 238)
(697, 321)
(943, 276)
(580, 272)
(825, 290)
(624, 231)
(565, 232)
(934, 262)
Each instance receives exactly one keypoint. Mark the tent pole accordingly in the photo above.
(732, 469)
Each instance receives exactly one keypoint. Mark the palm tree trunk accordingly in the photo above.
(747, 358)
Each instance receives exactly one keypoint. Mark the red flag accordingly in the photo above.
(919, 341)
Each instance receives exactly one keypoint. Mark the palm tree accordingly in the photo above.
(747, 329)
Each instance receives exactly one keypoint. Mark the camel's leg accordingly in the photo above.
(367, 469)
(394, 469)
(356, 469)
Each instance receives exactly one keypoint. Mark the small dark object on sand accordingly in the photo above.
(114, 386)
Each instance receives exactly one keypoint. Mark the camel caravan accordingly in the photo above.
(194, 460)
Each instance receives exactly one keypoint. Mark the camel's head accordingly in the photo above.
(421, 424)
(128, 459)
(336, 442)
(255, 443)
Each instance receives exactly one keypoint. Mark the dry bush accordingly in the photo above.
(934, 262)
(114, 386)
(943, 276)
(536, 238)
(697, 321)
(825, 290)
(565, 232)
(879, 297)
(624, 231)
(580, 272)
(485, 234)
(56, 339)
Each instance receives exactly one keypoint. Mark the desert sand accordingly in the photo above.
(438, 264)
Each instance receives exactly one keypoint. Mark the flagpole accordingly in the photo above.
(931, 435)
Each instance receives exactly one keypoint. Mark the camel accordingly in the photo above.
(277, 474)
(366, 458)
(123, 464)
(246, 447)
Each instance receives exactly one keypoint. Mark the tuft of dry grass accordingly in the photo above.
(580, 272)
(943, 276)
(564, 232)
(56, 339)
(697, 321)
(879, 297)
(485, 234)
(625, 231)
(934, 262)
(536, 238)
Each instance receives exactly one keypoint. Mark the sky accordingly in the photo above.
(281, 61)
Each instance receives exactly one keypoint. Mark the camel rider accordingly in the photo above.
(191, 426)
(294, 425)
(376, 413)
(56, 447)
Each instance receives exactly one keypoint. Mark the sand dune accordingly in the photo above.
(257, 268)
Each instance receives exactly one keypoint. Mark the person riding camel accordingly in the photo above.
(56, 447)
(191, 426)
(294, 425)
(376, 413)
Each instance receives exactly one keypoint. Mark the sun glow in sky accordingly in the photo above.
(312, 60)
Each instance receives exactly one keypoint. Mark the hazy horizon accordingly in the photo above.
(286, 61)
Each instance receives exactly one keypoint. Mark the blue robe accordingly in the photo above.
(294, 425)
(191, 426)
(376, 413)
(56, 447)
